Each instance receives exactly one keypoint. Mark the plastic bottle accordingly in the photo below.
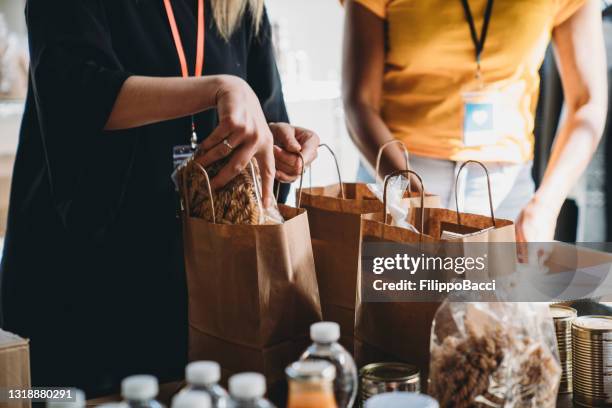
(78, 401)
(139, 391)
(247, 390)
(401, 400)
(192, 399)
(325, 336)
(311, 384)
(204, 376)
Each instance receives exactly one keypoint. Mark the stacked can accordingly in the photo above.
(379, 378)
(592, 360)
(563, 317)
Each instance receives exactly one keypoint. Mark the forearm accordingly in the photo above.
(572, 151)
(369, 132)
(146, 100)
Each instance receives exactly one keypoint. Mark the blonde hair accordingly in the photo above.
(229, 13)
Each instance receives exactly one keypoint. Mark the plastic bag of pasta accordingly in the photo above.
(494, 355)
(238, 202)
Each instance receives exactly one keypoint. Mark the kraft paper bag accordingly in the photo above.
(252, 292)
(14, 366)
(334, 214)
(400, 331)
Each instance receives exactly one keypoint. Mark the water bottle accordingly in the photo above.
(192, 399)
(139, 391)
(401, 400)
(325, 336)
(247, 390)
(204, 376)
(77, 400)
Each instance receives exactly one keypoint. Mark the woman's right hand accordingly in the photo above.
(242, 132)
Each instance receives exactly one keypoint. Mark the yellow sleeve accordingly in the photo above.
(565, 9)
(378, 7)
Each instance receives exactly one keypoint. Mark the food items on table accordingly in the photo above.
(204, 376)
(325, 336)
(401, 400)
(562, 318)
(494, 354)
(191, 399)
(379, 378)
(247, 390)
(311, 384)
(140, 391)
(591, 355)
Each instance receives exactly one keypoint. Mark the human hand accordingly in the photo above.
(243, 133)
(288, 142)
(536, 223)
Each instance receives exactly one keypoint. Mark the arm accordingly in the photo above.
(362, 72)
(580, 54)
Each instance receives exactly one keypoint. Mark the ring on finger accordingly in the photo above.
(228, 145)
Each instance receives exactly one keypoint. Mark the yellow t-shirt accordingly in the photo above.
(430, 60)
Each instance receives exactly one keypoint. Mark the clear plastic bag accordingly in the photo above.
(397, 207)
(494, 355)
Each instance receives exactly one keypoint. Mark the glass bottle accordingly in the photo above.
(247, 390)
(325, 336)
(139, 391)
(204, 376)
(311, 384)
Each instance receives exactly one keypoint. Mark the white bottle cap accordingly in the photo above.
(401, 400)
(78, 400)
(191, 399)
(139, 388)
(325, 332)
(203, 373)
(247, 386)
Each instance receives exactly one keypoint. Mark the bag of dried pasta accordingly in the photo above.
(495, 354)
(238, 202)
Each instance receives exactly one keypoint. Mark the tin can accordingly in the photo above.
(592, 360)
(379, 378)
(562, 318)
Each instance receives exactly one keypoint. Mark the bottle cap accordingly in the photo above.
(78, 401)
(203, 373)
(139, 388)
(191, 399)
(401, 400)
(325, 332)
(311, 370)
(247, 386)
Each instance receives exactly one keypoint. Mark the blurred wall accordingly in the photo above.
(13, 10)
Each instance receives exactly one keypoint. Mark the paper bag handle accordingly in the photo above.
(331, 151)
(210, 194)
(488, 188)
(382, 149)
(406, 173)
(277, 192)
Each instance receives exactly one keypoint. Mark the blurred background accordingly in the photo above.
(308, 38)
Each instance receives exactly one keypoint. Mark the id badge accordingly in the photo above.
(481, 117)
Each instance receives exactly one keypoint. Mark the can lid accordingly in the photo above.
(325, 332)
(561, 312)
(594, 323)
(139, 388)
(389, 372)
(401, 400)
(191, 399)
(247, 386)
(311, 370)
(77, 402)
(203, 373)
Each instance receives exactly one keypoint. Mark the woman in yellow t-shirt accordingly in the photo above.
(457, 80)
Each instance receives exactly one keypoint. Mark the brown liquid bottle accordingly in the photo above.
(311, 384)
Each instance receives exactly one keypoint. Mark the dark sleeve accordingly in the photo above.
(76, 78)
(263, 77)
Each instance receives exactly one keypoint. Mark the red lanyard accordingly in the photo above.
(181, 51)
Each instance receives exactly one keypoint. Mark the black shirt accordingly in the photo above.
(92, 270)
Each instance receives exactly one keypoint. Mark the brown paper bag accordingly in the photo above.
(252, 292)
(14, 367)
(334, 214)
(400, 331)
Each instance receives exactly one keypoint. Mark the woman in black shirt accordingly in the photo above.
(92, 270)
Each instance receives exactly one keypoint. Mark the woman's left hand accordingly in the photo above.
(288, 142)
(536, 223)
